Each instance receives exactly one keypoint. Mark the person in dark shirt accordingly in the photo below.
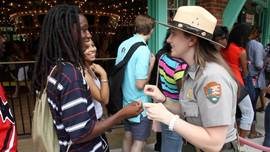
(60, 53)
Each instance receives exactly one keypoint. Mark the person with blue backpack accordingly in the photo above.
(136, 76)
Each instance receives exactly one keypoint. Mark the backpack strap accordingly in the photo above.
(130, 52)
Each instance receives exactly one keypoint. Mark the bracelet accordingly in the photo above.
(172, 122)
(104, 81)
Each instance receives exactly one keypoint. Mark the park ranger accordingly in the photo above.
(209, 93)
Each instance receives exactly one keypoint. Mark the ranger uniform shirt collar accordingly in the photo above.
(192, 71)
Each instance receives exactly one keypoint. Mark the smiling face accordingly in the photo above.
(89, 47)
(181, 44)
(85, 34)
(90, 52)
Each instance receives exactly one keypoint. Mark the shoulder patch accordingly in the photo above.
(213, 91)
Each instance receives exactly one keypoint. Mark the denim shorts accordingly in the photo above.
(171, 141)
(140, 131)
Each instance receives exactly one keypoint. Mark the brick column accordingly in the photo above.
(216, 7)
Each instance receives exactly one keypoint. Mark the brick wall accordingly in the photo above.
(216, 7)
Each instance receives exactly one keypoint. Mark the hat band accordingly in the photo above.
(193, 30)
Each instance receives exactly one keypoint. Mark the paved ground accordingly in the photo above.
(115, 138)
(260, 128)
(150, 147)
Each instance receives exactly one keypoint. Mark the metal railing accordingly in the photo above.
(16, 78)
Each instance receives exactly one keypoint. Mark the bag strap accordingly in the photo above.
(130, 52)
(49, 76)
(69, 145)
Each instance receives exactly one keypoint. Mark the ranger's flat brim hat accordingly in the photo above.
(194, 20)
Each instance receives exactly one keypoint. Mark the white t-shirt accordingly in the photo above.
(98, 106)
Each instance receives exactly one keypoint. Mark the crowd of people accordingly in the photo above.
(200, 90)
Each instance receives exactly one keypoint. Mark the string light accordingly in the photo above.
(121, 13)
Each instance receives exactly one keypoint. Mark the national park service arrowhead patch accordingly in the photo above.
(213, 91)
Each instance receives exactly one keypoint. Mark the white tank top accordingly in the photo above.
(98, 106)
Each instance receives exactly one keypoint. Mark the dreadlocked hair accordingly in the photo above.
(60, 41)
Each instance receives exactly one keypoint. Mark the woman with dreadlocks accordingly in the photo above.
(60, 53)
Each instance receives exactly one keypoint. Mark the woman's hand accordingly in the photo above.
(154, 93)
(158, 112)
(99, 70)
